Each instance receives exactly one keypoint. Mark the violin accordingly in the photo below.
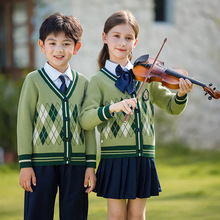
(168, 77)
(147, 69)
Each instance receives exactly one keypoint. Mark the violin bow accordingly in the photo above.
(148, 73)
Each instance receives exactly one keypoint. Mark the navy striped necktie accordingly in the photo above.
(63, 85)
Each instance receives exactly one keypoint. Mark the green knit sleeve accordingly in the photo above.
(167, 100)
(93, 112)
(90, 141)
(25, 120)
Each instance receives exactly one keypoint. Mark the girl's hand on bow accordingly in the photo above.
(127, 105)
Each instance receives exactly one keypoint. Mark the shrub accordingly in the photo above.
(10, 91)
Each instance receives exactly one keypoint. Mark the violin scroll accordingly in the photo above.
(212, 92)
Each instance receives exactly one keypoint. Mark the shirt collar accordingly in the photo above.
(110, 66)
(54, 74)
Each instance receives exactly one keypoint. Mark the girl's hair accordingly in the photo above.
(121, 17)
(57, 22)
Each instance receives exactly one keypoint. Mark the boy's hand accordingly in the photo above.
(185, 86)
(90, 179)
(127, 105)
(26, 176)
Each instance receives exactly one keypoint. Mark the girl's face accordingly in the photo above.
(59, 49)
(121, 41)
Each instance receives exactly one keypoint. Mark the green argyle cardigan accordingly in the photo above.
(48, 130)
(135, 137)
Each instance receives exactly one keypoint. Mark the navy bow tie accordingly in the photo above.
(125, 80)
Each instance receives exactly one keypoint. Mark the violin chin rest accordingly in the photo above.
(141, 59)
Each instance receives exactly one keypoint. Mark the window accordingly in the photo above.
(163, 11)
(16, 49)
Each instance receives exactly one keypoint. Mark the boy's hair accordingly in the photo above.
(57, 22)
(117, 18)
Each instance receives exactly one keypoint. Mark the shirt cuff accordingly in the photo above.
(181, 100)
(25, 161)
(104, 113)
(91, 161)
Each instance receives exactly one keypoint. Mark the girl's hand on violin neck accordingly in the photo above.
(127, 105)
(185, 86)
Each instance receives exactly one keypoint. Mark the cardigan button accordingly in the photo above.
(139, 151)
(138, 130)
(66, 118)
(137, 110)
(67, 139)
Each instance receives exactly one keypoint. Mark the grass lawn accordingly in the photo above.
(190, 182)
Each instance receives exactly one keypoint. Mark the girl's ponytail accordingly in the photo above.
(103, 56)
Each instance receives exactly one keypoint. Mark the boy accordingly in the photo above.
(53, 149)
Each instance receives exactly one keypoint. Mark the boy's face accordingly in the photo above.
(59, 50)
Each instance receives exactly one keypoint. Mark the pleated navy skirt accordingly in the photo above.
(127, 178)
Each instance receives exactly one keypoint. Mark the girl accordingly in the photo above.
(126, 175)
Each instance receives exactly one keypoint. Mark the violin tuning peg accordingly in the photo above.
(210, 98)
(214, 88)
(206, 93)
(210, 84)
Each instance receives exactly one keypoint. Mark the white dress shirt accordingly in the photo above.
(110, 66)
(54, 75)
